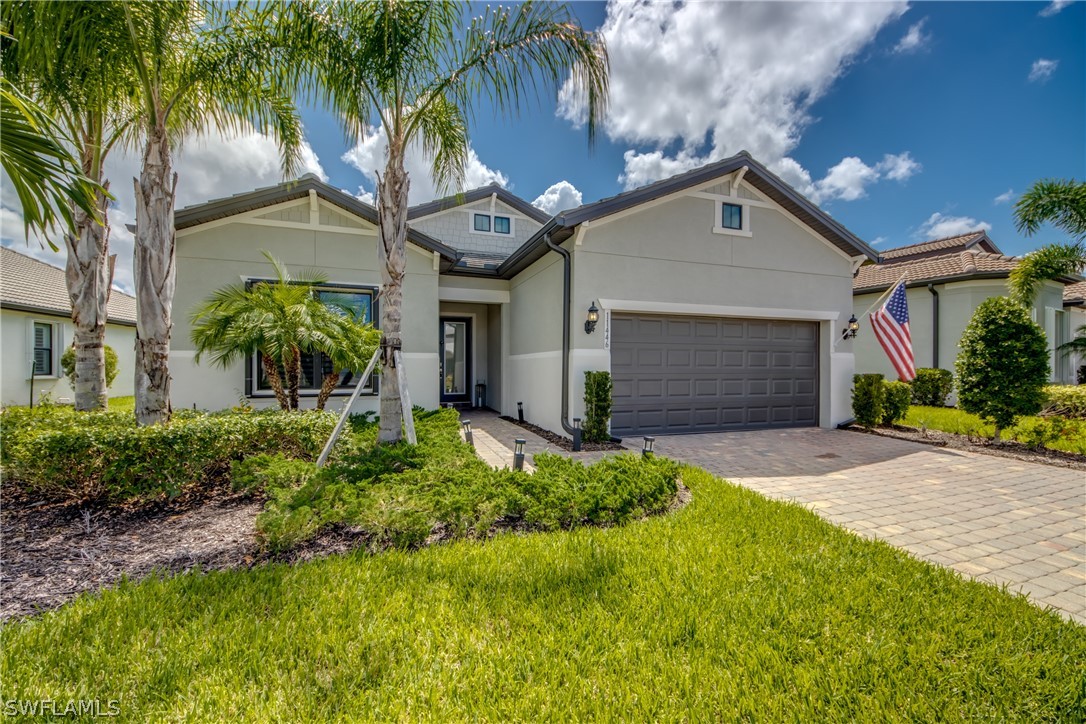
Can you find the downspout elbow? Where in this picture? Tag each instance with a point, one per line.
(566, 261)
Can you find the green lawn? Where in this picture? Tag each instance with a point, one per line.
(951, 419)
(734, 607)
(122, 404)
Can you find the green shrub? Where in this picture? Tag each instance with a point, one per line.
(868, 398)
(270, 471)
(1065, 400)
(1003, 364)
(1041, 432)
(597, 406)
(895, 405)
(67, 363)
(932, 386)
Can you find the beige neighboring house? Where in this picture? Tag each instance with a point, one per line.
(721, 295)
(36, 326)
(946, 280)
(1074, 303)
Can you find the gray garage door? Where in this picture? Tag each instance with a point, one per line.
(702, 374)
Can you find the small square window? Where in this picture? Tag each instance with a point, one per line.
(482, 222)
(501, 224)
(732, 217)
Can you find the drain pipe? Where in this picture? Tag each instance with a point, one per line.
(565, 330)
(934, 326)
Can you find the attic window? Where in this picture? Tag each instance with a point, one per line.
(482, 222)
(731, 216)
(501, 224)
(491, 224)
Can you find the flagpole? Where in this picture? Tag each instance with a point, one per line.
(885, 294)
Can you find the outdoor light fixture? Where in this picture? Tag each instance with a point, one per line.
(520, 411)
(647, 449)
(518, 454)
(576, 434)
(593, 317)
(853, 327)
(466, 424)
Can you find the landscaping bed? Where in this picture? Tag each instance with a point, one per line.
(562, 442)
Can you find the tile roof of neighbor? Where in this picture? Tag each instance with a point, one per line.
(31, 285)
(956, 265)
(1075, 294)
(960, 242)
(471, 196)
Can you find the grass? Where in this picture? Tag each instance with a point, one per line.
(959, 422)
(735, 607)
(122, 404)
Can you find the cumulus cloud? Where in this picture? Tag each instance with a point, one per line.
(1004, 198)
(850, 178)
(369, 158)
(914, 39)
(1042, 69)
(701, 81)
(559, 197)
(940, 225)
(1054, 7)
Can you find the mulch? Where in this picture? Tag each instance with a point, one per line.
(1005, 449)
(564, 442)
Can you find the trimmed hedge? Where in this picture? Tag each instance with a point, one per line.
(61, 454)
(868, 397)
(1065, 400)
(932, 386)
(597, 406)
(895, 405)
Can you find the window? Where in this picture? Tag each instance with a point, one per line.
(358, 301)
(492, 224)
(482, 222)
(732, 216)
(501, 224)
(43, 349)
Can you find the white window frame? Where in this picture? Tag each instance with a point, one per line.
(58, 347)
(718, 220)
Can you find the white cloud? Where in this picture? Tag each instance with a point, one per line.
(369, 158)
(1054, 7)
(850, 178)
(559, 197)
(898, 167)
(939, 225)
(914, 39)
(1004, 198)
(1042, 69)
(847, 180)
(879, 241)
(709, 79)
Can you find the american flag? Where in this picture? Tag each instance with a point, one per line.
(891, 325)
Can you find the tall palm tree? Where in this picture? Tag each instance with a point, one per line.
(1061, 203)
(279, 321)
(199, 66)
(69, 58)
(414, 69)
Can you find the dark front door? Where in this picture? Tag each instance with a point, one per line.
(455, 359)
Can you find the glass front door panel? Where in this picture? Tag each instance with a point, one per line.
(454, 372)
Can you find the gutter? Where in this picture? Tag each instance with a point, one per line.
(566, 261)
(934, 326)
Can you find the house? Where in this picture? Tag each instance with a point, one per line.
(1074, 303)
(945, 281)
(715, 298)
(36, 327)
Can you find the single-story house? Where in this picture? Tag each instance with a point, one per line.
(36, 328)
(721, 296)
(1074, 303)
(946, 280)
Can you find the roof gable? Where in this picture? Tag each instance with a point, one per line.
(31, 285)
(977, 240)
(478, 194)
(946, 267)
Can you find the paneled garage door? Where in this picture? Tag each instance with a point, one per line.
(701, 374)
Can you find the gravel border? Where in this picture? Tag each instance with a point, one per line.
(563, 442)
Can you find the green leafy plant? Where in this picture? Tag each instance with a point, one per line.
(932, 386)
(597, 406)
(868, 398)
(67, 363)
(895, 405)
(1065, 400)
(1040, 432)
(1003, 364)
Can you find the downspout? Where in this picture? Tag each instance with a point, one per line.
(565, 329)
(934, 326)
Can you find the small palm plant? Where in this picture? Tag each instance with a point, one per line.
(280, 320)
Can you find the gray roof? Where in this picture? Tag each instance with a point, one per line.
(562, 226)
(29, 285)
(299, 189)
(469, 197)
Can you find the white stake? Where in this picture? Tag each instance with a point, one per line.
(347, 409)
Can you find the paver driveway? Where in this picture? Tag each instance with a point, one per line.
(993, 518)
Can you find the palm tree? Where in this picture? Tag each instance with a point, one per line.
(198, 67)
(79, 80)
(1051, 261)
(279, 321)
(1063, 204)
(406, 66)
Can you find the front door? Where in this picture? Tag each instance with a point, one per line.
(455, 359)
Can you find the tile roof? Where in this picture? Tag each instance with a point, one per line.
(26, 283)
(961, 242)
(1075, 294)
(956, 265)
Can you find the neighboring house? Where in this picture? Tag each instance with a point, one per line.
(1074, 303)
(36, 327)
(722, 294)
(946, 280)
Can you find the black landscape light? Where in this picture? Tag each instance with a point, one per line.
(466, 425)
(576, 434)
(646, 451)
(518, 454)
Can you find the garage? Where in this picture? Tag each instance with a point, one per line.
(687, 374)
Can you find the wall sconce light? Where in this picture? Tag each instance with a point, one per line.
(593, 317)
(520, 411)
(576, 434)
(853, 327)
(518, 454)
(647, 449)
(466, 424)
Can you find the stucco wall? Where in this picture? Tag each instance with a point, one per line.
(213, 256)
(16, 351)
(534, 365)
(455, 227)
